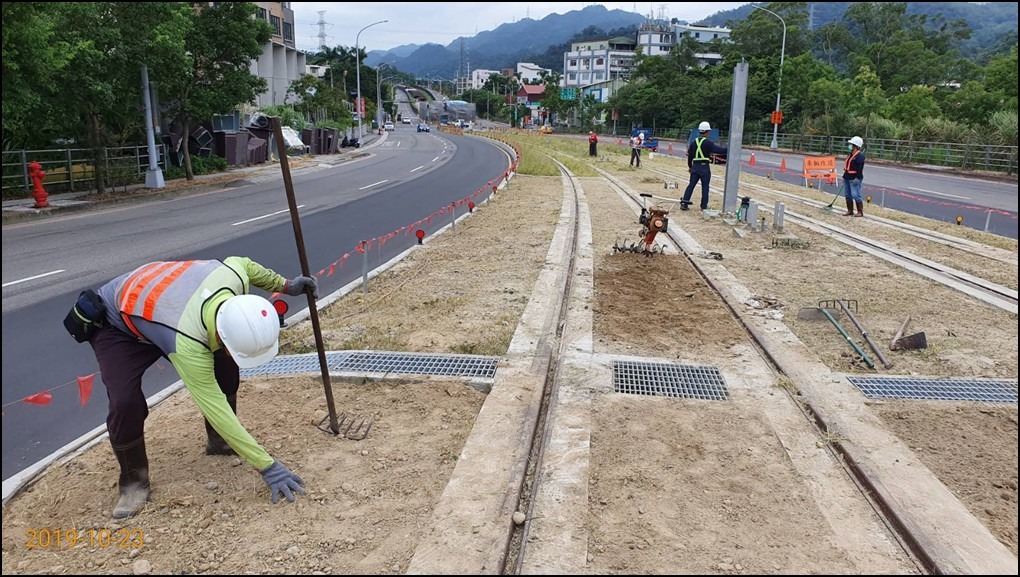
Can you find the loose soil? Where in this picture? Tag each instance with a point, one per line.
(676, 485)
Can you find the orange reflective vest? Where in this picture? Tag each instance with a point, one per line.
(159, 292)
(847, 171)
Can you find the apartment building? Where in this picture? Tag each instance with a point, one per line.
(600, 67)
(598, 61)
(281, 62)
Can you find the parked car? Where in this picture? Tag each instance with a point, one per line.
(388, 126)
(423, 127)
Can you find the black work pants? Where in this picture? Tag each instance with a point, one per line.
(123, 359)
(635, 157)
(703, 173)
(592, 148)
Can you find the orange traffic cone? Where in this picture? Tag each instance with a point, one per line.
(782, 166)
(752, 159)
(670, 150)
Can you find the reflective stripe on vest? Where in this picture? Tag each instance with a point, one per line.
(159, 292)
(846, 165)
(698, 155)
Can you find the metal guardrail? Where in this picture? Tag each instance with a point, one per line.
(954, 155)
(992, 158)
(73, 169)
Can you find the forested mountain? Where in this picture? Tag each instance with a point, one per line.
(992, 25)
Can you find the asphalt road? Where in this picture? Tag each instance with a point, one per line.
(940, 195)
(404, 179)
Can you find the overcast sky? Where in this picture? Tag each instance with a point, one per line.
(442, 22)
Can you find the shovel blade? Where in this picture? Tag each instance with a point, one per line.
(912, 342)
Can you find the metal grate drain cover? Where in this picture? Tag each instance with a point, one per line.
(433, 364)
(669, 380)
(985, 390)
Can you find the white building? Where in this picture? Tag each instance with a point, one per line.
(702, 34)
(480, 77)
(528, 72)
(598, 61)
(656, 39)
(316, 70)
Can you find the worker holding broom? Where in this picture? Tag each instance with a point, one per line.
(199, 316)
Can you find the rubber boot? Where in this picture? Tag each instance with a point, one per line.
(849, 207)
(134, 479)
(215, 445)
(860, 208)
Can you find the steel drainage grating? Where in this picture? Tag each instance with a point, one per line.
(293, 364)
(420, 364)
(669, 380)
(985, 390)
(382, 362)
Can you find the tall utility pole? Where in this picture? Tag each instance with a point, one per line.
(154, 175)
(779, 88)
(359, 106)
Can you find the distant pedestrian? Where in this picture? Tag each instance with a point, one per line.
(853, 177)
(636, 142)
(593, 144)
(699, 159)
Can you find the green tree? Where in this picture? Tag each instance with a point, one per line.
(105, 45)
(31, 67)
(914, 106)
(867, 98)
(1001, 76)
(319, 101)
(224, 38)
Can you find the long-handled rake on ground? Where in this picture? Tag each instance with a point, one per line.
(334, 424)
(839, 193)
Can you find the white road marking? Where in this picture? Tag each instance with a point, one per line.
(938, 193)
(264, 216)
(14, 282)
(373, 184)
(417, 169)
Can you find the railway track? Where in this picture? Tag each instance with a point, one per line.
(982, 289)
(919, 541)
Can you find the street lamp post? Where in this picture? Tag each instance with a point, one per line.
(779, 88)
(357, 66)
(378, 94)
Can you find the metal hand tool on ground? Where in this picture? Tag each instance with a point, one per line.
(846, 336)
(843, 305)
(288, 184)
(909, 342)
(839, 193)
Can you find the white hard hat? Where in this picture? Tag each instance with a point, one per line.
(857, 141)
(704, 127)
(249, 328)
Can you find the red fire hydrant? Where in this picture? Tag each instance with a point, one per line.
(35, 171)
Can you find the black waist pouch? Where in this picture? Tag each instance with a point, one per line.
(87, 316)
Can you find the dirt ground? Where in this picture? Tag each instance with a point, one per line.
(676, 485)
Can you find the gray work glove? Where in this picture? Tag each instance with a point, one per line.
(281, 480)
(297, 286)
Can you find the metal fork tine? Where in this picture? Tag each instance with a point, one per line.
(354, 436)
(351, 431)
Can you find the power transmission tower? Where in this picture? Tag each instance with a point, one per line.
(321, 24)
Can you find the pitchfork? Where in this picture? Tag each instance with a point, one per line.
(333, 424)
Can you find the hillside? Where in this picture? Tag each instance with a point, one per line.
(993, 30)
